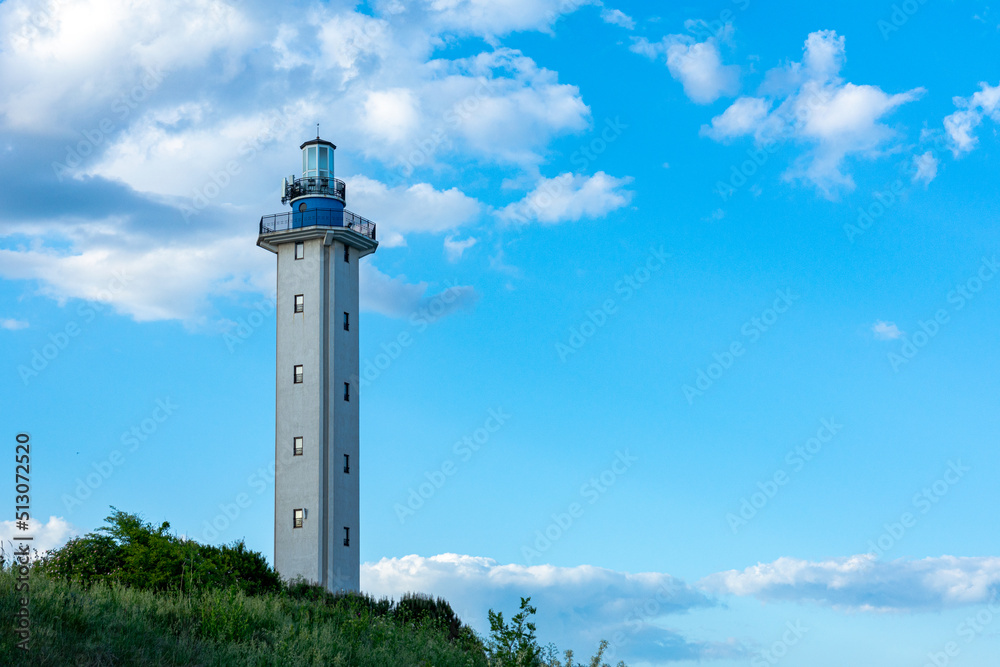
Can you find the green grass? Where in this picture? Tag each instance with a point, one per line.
(132, 593)
(112, 625)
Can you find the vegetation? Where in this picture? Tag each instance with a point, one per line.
(515, 645)
(133, 594)
(136, 555)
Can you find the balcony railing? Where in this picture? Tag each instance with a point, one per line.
(282, 222)
(303, 187)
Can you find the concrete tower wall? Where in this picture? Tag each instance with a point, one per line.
(316, 409)
(298, 409)
(344, 561)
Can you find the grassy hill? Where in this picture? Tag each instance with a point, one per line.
(110, 624)
(133, 594)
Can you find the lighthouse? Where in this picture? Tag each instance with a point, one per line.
(319, 245)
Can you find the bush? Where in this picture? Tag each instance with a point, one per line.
(84, 560)
(514, 645)
(596, 661)
(417, 606)
(133, 553)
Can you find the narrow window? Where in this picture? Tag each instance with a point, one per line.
(324, 164)
(347, 321)
(298, 375)
(297, 517)
(300, 303)
(347, 463)
(347, 391)
(347, 253)
(347, 536)
(297, 446)
(300, 250)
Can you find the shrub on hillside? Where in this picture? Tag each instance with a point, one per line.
(134, 553)
(514, 644)
(419, 606)
(411, 608)
(301, 589)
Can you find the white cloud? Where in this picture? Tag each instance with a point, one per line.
(813, 104)
(391, 116)
(141, 279)
(699, 68)
(348, 39)
(501, 105)
(13, 325)
(886, 330)
(617, 17)
(925, 168)
(283, 45)
(961, 125)
(88, 54)
(203, 157)
(577, 606)
(742, 117)
(495, 18)
(51, 534)
(987, 98)
(697, 65)
(824, 54)
(644, 47)
(569, 197)
(865, 583)
(455, 249)
(411, 209)
(497, 105)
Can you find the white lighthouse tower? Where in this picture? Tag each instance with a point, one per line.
(319, 245)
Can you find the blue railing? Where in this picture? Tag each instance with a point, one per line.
(281, 222)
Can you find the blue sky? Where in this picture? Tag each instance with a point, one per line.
(683, 320)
